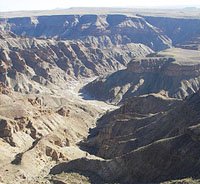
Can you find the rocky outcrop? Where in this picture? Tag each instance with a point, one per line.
(4, 89)
(108, 29)
(164, 65)
(63, 111)
(150, 138)
(112, 29)
(6, 131)
(142, 143)
(34, 136)
(55, 155)
(177, 76)
(28, 64)
(136, 116)
(182, 31)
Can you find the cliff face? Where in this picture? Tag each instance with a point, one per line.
(150, 139)
(27, 63)
(183, 32)
(176, 76)
(164, 66)
(158, 33)
(114, 29)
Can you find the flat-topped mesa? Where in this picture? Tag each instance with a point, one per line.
(108, 29)
(153, 65)
(176, 72)
(165, 65)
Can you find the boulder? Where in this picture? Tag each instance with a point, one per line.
(63, 112)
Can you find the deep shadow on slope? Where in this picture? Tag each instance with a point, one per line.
(172, 152)
(148, 75)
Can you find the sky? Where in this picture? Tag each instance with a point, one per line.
(13, 5)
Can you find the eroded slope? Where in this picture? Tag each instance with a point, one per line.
(36, 65)
(148, 141)
(107, 29)
(174, 72)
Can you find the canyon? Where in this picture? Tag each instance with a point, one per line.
(173, 72)
(99, 96)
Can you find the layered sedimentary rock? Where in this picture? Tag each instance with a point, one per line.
(107, 29)
(36, 131)
(150, 139)
(156, 32)
(27, 64)
(183, 32)
(176, 76)
(44, 122)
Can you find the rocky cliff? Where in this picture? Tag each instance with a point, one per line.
(150, 139)
(39, 130)
(174, 72)
(107, 29)
(182, 31)
(47, 129)
(157, 32)
(29, 64)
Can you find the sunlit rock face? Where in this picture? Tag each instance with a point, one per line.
(28, 63)
(177, 76)
(53, 130)
(107, 29)
(183, 32)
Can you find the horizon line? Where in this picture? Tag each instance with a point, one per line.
(181, 7)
